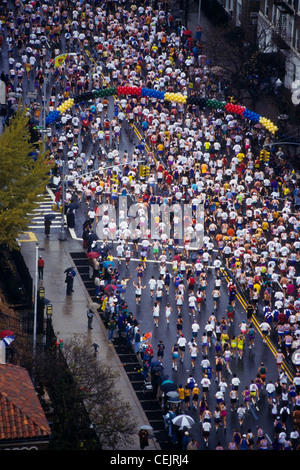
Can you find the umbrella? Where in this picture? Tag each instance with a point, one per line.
(94, 305)
(173, 394)
(174, 400)
(6, 333)
(49, 216)
(155, 363)
(93, 254)
(120, 288)
(167, 381)
(159, 368)
(146, 426)
(8, 339)
(110, 287)
(107, 263)
(183, 421)
(72, 205)
(69, 269)
(187, 32)
(168, 386)
(163, 378)
(92, 236)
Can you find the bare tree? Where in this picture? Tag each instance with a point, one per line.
(97, 383)
(245, 67)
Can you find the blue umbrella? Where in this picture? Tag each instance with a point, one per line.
(121, 290)
(158, 368)
(155, 363)
(108, 263)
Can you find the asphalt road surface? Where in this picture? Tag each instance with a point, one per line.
(246, 369)
(259, 415)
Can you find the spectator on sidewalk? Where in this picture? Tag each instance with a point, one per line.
(41, 265)
(90, 316)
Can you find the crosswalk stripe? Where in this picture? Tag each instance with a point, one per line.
(38, 215)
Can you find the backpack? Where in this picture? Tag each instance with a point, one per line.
(191, 383)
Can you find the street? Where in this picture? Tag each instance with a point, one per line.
(245, 369)
(108, 157)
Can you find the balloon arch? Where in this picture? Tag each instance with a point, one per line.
(161, 95)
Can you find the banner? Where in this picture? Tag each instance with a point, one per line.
(60, 60)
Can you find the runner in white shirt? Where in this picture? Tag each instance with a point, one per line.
(152, 286)
(181, 344)
(192, 304)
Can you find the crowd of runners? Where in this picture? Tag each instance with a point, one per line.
(244, 202)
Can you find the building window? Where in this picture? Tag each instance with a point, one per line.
(294, 72)
(267, 7)
(296, 39)
(238, 13)
(273, 14)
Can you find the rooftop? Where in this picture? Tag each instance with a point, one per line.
(21, 414)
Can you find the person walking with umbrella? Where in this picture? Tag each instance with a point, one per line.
(143, 436)
(70, 274)
(70, 218)
(47, 225)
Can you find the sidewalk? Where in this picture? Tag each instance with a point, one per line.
(69, 313)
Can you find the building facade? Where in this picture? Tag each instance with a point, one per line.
(278, 30)
(275, 25)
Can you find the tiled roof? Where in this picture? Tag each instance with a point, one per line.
(21, 414)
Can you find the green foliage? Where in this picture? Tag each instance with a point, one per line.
(24, 174)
